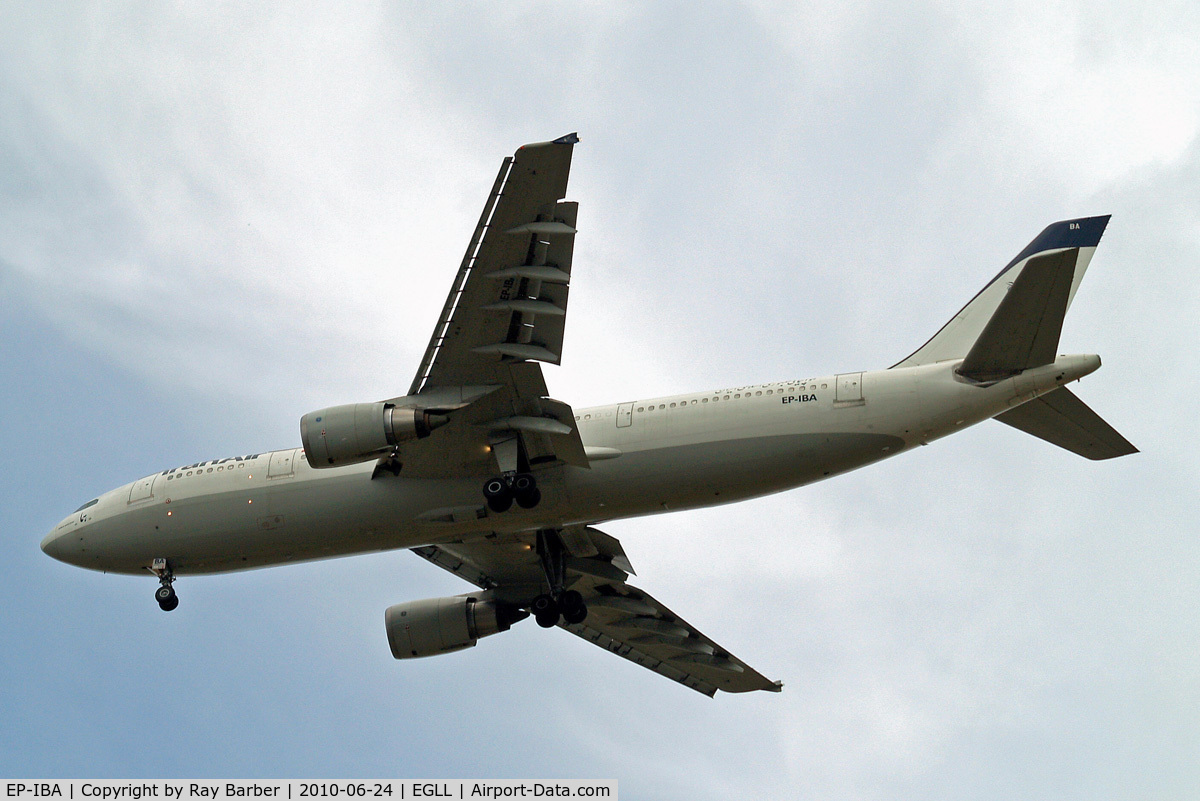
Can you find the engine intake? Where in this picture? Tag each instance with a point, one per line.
(360, 432)
(441, 625)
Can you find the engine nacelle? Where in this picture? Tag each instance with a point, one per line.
(441, 625)
(360, 432)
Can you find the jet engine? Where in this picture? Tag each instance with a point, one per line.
(441, 625)
(360, 432)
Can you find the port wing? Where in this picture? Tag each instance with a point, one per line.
(505, 314)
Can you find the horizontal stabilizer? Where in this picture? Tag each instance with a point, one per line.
(1064, 420)
(1023, 332)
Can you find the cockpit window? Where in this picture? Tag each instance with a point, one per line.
(92, 502)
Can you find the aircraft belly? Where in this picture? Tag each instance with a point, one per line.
(329, 516)
(707, 473)
(313, 516)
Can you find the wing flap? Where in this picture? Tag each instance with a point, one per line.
(663, 642)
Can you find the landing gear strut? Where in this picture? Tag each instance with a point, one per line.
(165, 594)
(559, 602)
(501, 491)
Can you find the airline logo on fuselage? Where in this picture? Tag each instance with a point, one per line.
(211, 462)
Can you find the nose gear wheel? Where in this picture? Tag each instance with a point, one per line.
(166, 597)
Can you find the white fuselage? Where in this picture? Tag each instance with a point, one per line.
(649, 456)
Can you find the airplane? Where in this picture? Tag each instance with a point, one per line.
(479, 471)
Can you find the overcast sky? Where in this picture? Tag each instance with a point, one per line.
(214, 221)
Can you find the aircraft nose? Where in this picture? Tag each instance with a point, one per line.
(62, 543)
(52, 545)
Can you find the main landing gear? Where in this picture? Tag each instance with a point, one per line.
(570, 606)
(559, 602)
(165, 594)
(501, 491)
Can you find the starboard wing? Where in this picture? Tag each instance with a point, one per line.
(621, 618)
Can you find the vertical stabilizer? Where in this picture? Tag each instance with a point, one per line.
(1024, 330)
(957, 337)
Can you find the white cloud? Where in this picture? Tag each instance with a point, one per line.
(1083, 95)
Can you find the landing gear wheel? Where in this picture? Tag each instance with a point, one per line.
(525, 490)
(166, 597)
(523, 483)
(543, 604)
(530, 499)
(545, 611)
(499, 496)
(574, 610)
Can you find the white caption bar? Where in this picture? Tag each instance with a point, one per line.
(382, 790)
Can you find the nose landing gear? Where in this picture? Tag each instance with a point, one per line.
(165, 594)
(166, 597)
